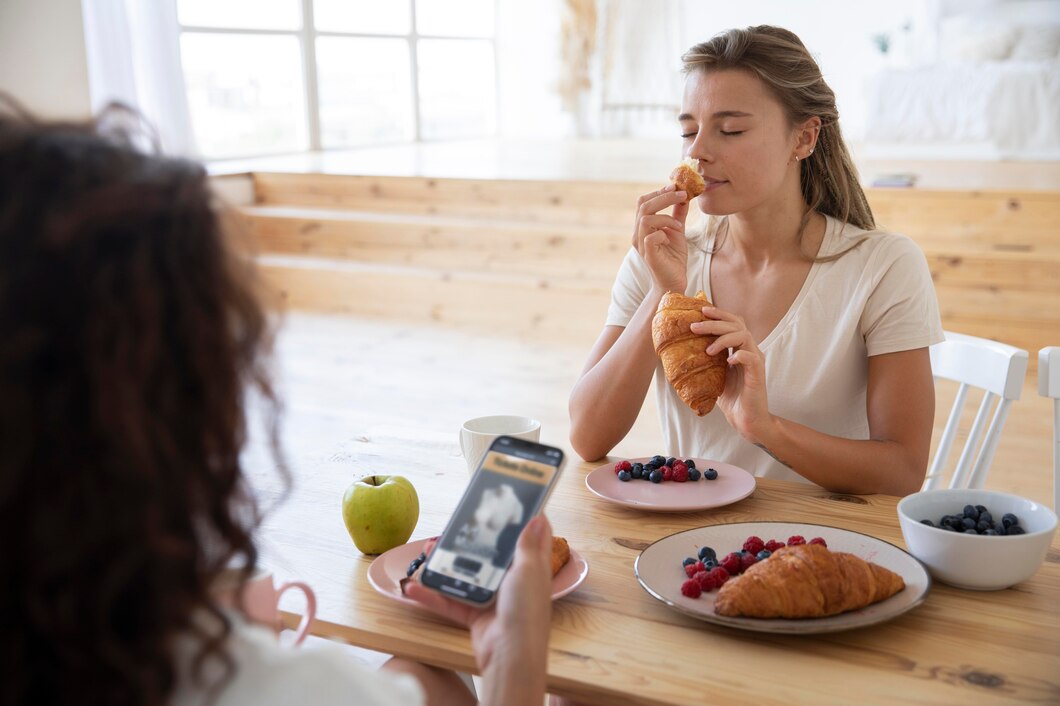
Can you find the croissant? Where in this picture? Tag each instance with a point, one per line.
(698, 378)
(687, 179)
(806, 581)
(560, 554)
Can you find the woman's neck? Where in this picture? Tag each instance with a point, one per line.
(767, 235)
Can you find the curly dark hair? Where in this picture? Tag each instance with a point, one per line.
(131, 334)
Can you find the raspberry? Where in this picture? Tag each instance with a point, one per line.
(623, 466)
(705, 581)
(692, 569)
(691, 588)
(796, 539)
(773, 545)
(819, 540)
(754, 544)
(719, 575)
(679, 464)
(680, 473)
(668, 473)
(747, 561)
(731, 563)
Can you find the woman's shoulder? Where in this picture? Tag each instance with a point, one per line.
(877, 245)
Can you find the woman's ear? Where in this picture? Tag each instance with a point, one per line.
(806, 137)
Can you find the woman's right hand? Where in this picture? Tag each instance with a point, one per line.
(660, 238)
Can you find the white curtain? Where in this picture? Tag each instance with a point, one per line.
(133, 52)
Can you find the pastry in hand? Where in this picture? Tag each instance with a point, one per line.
(698, 378)
(806, 581)
(687, 179)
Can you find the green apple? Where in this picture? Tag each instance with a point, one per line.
(380, 512)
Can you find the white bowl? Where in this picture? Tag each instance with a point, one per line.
(977, 562)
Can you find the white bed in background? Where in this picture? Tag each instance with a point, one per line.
(993, 90)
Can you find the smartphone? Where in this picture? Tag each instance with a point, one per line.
(509, 487)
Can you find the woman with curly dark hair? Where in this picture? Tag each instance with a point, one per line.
(130, 337)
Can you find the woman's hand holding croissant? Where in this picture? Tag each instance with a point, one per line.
(660, 238)
(744, 400)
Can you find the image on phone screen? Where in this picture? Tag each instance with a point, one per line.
(508, 489)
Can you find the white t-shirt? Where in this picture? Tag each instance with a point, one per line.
(878, 298)
(267, 673)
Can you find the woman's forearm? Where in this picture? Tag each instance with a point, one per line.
(605, 402)
(514, 682)
(843, 465)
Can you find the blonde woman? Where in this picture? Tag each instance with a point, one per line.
(827, 320)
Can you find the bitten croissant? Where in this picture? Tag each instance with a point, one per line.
(698, 378)
(806, 581)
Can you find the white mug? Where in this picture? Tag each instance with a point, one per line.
(261, 600)
(477, 434)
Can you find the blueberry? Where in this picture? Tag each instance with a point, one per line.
(638, 467)
(968, 523)
(1014, 529)
(710, 474)
(970, 511)
(991, 533)
(1000, 529)
(670, 461)
(1008, 519)
(929, 523)
(980, 508)
(688, 560)
(986, 517)
(656, 476)
(658, 460)
(764, 554)
(981, 526)
(693, 474)
(970, 531)
(948, 528)
(709, 564)
(690, 463)
(957, 523)
(705, 552)
(625, 476)
(636, 473)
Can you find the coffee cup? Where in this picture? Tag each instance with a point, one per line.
(261, 599)
(477, 434)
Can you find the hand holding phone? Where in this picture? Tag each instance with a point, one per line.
(510, 487)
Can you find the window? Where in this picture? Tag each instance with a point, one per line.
(273, 76)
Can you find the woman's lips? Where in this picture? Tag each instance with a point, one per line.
(713, 183)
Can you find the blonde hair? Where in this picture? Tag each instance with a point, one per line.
(781, 61)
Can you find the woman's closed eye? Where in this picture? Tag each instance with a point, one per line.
(731, 133)
(688, 135)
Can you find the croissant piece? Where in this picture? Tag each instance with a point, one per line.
(687, 179)
(560, 554)
(806, 581)
(698, 378)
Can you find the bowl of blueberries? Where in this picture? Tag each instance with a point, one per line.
(977, 539)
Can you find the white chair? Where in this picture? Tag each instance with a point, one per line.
(1049, 386)
(997, 369)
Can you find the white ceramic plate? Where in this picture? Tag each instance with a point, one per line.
(659, 570)
(387, 570)
(732, 485)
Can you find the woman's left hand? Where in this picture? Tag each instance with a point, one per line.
(744, 400)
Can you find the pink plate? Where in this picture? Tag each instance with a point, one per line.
(386, 572)
(731, 485)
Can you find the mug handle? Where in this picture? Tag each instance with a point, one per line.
(310, 608)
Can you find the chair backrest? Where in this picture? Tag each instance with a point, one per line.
(997, 369)
(1049, 386)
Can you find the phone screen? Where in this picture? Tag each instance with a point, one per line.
(508, 489)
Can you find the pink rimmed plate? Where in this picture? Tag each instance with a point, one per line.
(732, 485)
(659, 570)
(387, 570)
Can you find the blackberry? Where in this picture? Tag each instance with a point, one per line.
(710, 474)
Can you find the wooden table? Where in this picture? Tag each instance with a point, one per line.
(612, 643)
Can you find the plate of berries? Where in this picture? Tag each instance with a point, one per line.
(687, 570)
(669, 484)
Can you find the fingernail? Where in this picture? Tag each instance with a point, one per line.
(731, 359)
(682, 194)
(669, 187)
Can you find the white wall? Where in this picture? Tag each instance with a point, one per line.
(42, 56)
